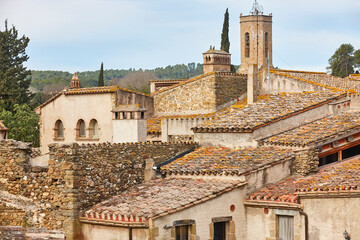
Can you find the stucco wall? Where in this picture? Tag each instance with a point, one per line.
(178, 127)
(231, 140)
(280, 84)
(69, 109)
(133, 130)
(125, 97)
(263, 225)
(204, 212)
(330, 217)
(273, 174)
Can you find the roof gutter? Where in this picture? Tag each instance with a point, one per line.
(159, 165)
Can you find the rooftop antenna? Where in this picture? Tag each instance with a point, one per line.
(257, 9)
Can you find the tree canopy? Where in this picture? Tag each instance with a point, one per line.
(344, 60)
(225, 43)
(14, 77)
(22, 122)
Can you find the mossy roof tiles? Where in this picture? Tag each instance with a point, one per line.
(225, 161)
(334, 178)
(264, 111)
(162, 196)
(317, 131)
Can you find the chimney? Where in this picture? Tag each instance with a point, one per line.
(75, 81)
(252, 82)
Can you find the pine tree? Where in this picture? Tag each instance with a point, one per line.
(342, 61)
(225, 43)
(14, 77)
(101, 76)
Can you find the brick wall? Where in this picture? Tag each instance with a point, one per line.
(76, 178)
(203, 94)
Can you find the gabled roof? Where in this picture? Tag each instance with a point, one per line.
(321, 79)
(216, 52)
(197, 78)
(90, 90)
(341, 177)
(317, 131)
(225, 161)
(158, 198)
(265, 111)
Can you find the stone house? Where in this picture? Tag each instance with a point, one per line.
(90, 115)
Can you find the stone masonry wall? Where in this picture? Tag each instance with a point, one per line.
(203, 94)
(228, 87)
(107, 169)
(306, 161)
(76, 178)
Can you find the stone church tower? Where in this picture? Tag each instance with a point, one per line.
(256, 39)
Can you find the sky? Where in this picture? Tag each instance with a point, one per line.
(77, 35)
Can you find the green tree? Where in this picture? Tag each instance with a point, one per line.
(357, 59)
(225, 43)
(23, 123)
(101, 76)
(341, 63)
(14, 77)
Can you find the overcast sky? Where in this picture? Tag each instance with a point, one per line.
(77, 35)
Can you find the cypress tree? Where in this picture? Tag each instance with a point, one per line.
(225, 43)
(101, 76)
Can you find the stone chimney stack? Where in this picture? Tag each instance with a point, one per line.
(252, 83)
(75, 81)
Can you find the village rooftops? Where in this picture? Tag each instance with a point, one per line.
(321, 79)
(225, 161)
(317, 131)
(89, 90)
(265, 111)
(197, 78)
(338, 178)
(157, 198)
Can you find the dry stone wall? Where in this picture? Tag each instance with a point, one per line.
(306, 162)
(204, 94)
(76, 178)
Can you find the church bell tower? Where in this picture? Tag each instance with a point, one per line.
(256, 39)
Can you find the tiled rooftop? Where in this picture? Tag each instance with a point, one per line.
(317, 131)
(158, 198)
(214, 160)
(342, 176)
(90, 90)
(322, 79)
(264, 111)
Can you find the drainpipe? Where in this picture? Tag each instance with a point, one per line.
(130, 233)
(306, 220)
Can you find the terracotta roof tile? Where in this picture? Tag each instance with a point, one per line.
(158, 198)
(322, 79)
(264, 111)
(344, 175)
(317, 131)
(213, 160)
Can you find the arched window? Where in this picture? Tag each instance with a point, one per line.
(59, 129)
(247, 44)
(80, 129)
(266, 45)
(94, 129)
